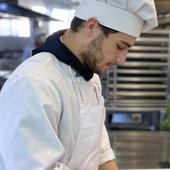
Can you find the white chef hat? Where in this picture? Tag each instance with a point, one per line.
(127, 16)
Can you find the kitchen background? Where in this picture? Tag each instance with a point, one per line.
(136, 93)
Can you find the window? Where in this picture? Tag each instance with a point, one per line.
(65, 16)
(40, 9)
(13, 26)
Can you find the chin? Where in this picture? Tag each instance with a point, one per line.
(100, 72)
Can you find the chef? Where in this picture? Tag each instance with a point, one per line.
(51, 108)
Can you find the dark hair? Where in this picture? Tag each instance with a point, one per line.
(77, 24)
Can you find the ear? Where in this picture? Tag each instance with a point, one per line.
(91, 26)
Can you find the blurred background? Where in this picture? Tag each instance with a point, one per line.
(137, 93)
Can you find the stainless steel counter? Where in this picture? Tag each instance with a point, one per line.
(140, 149)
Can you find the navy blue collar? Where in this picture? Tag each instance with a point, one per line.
(54, 45)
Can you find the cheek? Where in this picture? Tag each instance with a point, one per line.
(110, 52)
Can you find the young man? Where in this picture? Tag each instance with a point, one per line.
(51, 107)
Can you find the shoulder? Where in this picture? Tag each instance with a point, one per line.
(42, 66)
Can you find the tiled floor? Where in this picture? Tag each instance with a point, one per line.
(140, 149)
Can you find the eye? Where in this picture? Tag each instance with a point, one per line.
(120, 47)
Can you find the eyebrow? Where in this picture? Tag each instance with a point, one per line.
(127, 44)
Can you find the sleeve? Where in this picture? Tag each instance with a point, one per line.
(30, 110)
(106, 153)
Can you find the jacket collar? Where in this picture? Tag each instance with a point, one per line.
(54, 45)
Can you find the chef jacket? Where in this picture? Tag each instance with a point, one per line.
(52, 114)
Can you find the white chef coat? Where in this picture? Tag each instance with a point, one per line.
(52, 119)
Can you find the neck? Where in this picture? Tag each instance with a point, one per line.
(73, 42)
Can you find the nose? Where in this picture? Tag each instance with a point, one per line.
(121, 58)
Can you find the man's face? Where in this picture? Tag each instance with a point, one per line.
(103, 52)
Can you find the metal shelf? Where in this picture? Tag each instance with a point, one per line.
(137, 93)
(146, 48)
(152, 40)
(139, 86)
(141, 79)
(145, 64)
(148, 55)
(141, 71)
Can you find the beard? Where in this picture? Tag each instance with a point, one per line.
(94, 54)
